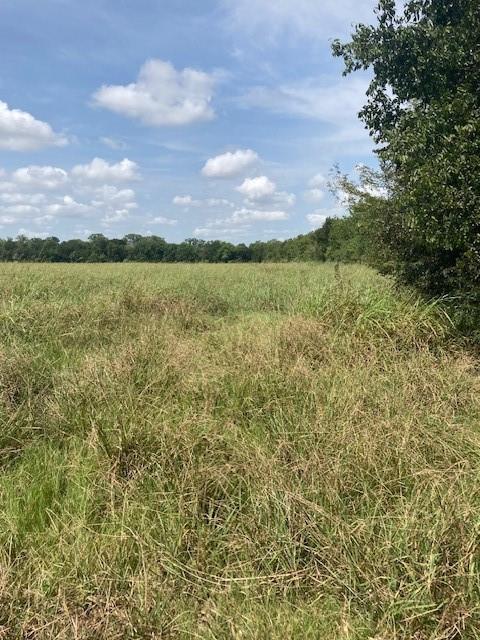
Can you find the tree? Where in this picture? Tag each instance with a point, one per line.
(98, 243)
(423, 108)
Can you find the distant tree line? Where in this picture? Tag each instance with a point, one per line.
(319, 245)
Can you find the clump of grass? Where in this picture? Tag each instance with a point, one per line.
(239, 451)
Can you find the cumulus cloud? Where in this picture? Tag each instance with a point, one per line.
(257, 188)
(111, 195)
(40, 195)
(67, 207)
(115, 204)
(20, 131)
(24, 198)
(229, 165)
(98, 170)
(162, 96)
(43, 177)
(238, 223)
(115, 216)
(261, 192)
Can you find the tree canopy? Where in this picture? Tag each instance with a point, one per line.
(134, 247)
(423, 109)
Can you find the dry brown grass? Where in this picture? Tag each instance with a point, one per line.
(234, 452)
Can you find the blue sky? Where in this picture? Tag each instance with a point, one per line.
(182, 118)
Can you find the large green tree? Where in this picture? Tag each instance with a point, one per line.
(423, 109)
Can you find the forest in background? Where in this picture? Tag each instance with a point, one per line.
(319, 245)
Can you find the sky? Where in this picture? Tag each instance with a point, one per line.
(179, 118)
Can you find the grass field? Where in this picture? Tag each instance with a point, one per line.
(206, 451)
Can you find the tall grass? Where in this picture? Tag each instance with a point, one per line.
(256, 451)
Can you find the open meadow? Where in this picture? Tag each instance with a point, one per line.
(234, 451)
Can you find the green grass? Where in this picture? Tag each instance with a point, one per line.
(246, 452)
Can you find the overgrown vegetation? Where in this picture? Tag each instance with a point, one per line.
(424, 111)
(262, 451)
(234, 451)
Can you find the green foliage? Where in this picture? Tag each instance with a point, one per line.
(223, 452)
(424, 109)
(360, 236)
(136, 248)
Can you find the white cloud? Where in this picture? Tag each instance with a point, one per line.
(318, 181)
(226, 233)
(20, 131)
(41, 220)
(186, 201)
(115, 204)
(162, 220)
(8, 186)
(314, 195)
(257, 188)
(43, 177)
(39, 195)
(318, 217)
(261, 192)
(67, 207)
(283, 198)
(109, 194)
(244, 215)
(115, 216)
(229, 165)
(20, 210)
(239, 222)
(33, 234)
(98, 170)
(162, 96)
(22, 198)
